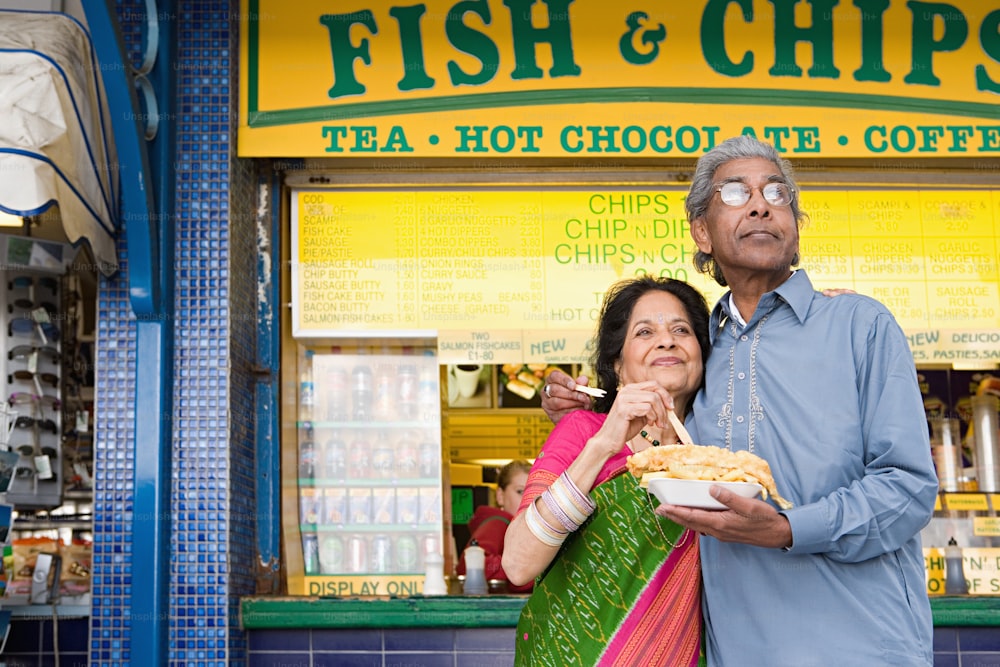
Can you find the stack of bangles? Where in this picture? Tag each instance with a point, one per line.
(570, 506)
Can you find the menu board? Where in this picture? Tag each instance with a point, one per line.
(520, 274)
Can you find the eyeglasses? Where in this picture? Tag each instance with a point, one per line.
(44, 424)
(25, 351)
(21, 397)
(51, 378)
(737, 193)
(25, 326)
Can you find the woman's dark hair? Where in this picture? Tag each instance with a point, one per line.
(612, 326)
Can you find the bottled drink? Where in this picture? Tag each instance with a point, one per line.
(307, 459)
(407, 389)
(361, 393)
(428, 398)
(384, 393)
(307, 390)
(338, 394)
(335, 459)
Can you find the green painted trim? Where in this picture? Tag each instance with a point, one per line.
(253, 57)
(726, 96)
(271, 613)
(972, 611)
(415, 612)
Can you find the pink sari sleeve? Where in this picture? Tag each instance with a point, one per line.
(563, 445)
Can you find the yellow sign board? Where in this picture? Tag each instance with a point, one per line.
(981, 566)
(519, 275)
(635, 78)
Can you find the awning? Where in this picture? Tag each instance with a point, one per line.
(56, 145)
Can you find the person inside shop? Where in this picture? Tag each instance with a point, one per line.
(488, 524)
(825, 390)
(616, 583)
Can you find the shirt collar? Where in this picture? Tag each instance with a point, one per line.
(797, 292)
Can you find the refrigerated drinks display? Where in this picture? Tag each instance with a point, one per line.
(369, 471)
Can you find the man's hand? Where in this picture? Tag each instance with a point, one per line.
(748, 520)
(559, 396)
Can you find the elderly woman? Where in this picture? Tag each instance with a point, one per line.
(616, 584)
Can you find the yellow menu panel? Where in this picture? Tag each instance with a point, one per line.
(476, 266)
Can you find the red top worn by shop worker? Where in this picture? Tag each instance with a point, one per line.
(488, 527)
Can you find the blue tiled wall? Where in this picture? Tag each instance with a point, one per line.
(494, 647)
(212, 553)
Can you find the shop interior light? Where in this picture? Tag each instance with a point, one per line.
(9, 220)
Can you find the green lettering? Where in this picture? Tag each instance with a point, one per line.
(872, 36)
(956, 29)
(525, 36)
(808, 139)
(713, 38)
(930, 135)
(775, 134)
(870, 133)
(820, 35)
(959, 135)
(989, 38)
(334, 133)
(991, 137)
(344, 53)
(473, 42)
(396, 143)
(412, 46)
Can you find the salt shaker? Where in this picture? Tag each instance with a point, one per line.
(434, 575)
(475, 566)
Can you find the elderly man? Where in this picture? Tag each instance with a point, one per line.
(826, 391)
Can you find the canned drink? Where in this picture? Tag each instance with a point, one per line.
(382, 459)
(331, 555)
(407, 560)
(335, 459)
(310, 553)
(384, 506)
(357, 555)
(381, 552)
(428, 457)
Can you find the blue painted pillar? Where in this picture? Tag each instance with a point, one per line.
(150, 232)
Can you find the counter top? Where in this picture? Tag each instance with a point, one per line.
(492, 611)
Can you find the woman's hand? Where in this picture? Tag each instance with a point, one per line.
(559, 396)
(635, 406)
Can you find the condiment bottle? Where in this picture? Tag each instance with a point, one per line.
(954, 573)
(434, 575)
(475, 570)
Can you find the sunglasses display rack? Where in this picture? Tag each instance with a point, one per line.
(31, 369)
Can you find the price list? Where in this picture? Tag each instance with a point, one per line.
(487, 435)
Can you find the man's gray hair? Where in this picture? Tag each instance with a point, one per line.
(743, 147)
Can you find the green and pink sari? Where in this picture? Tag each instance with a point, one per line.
(624, 589)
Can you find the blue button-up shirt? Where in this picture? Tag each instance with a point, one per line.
(825, 390)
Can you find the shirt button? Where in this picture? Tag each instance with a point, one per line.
(742, 376)
(743, 337)
(740, 419)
